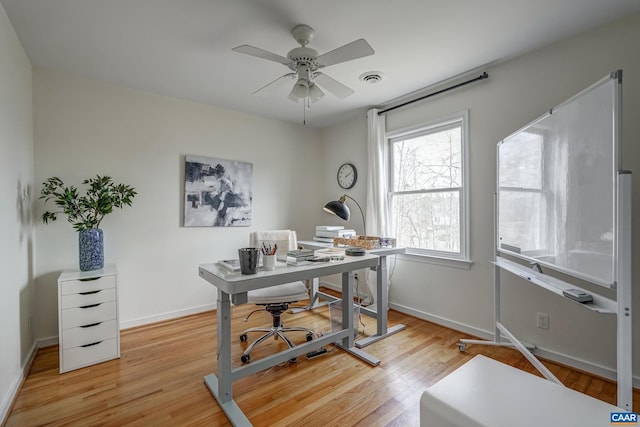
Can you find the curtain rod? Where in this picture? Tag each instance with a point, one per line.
(480, 77)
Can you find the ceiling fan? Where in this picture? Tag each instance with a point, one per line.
(306, 63)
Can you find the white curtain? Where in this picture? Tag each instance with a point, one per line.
(377, 181)
(377, 185)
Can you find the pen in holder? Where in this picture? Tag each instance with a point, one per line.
(269, 256)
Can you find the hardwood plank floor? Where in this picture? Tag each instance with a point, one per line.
(158, 381)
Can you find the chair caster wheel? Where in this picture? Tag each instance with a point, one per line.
(293, 360)
(245, 358)
(309, 337)
(243, 338)
(462, 347)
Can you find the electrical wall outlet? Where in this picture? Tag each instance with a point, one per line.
(543, 321)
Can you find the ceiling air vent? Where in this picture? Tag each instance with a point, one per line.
(371, 77)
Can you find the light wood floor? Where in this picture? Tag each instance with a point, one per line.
(158, 381)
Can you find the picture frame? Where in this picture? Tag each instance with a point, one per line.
(217, 192)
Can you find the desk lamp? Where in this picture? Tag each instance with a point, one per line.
(340, 209)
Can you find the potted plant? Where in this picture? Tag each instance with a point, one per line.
(86, 212)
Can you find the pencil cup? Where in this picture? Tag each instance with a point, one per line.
(248, 260)
(269, 262)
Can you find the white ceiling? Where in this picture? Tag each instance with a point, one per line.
(182, 48)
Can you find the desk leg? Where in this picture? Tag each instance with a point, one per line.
(221, 388)
(382, 306)
(348, 323)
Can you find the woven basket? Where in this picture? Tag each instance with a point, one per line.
(367, 242)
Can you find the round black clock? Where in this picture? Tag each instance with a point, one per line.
(347, 175)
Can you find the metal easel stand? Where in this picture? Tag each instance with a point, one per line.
(513, 342)
(621, 306)
(526, 350)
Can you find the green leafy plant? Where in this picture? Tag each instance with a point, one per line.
(86, 211)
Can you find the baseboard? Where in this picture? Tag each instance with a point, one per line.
(47, 342)
(166, 316)
(16, 384)
(564, 359)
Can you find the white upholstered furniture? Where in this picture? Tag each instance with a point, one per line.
(484, 392)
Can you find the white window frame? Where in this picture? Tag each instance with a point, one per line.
(461, 259)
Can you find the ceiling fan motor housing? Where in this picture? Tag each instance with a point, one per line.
(301, 56)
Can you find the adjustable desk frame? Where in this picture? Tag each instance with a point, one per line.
(382, 299)
(233, 287)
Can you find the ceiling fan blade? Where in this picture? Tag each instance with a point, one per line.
(279, 82)
(354, 50)
(335, 87)
(261, 53)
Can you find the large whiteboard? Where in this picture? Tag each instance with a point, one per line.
(556, 189)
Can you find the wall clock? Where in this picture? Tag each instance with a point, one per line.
(347, 175)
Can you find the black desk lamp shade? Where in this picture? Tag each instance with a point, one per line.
(338, 208)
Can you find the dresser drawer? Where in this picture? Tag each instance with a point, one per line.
(77, 357)
(86, 315)
(87, 298)
(87, 285)
(79, 336)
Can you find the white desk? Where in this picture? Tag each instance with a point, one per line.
(382, 300)
(233, 287)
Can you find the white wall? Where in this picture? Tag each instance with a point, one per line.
(16, 188)
(83, 128)
(518, 91)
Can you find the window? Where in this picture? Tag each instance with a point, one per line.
(428, 188)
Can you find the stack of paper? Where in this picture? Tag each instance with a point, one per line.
(299, 256)
(326, 233)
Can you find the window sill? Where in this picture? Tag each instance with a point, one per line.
(443, 261)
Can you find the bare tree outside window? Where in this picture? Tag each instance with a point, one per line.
(427, 183)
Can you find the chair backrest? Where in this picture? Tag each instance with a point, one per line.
(285, 239)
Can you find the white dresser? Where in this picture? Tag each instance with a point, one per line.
(89, 330)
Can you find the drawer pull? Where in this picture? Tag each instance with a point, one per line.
(90, 305)
(90, 279)
(91, 325)
(90, 292)
(92, 344)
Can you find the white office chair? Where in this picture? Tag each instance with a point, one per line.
(275, 299)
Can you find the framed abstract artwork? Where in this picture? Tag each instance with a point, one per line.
(217, 192)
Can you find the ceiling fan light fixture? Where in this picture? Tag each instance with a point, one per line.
(301, 88)
(315, 93)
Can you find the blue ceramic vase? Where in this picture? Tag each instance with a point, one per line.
(91, 249)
